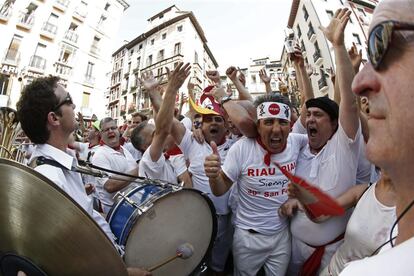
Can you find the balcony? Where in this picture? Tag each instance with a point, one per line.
(49, 30)
(71, 36)
(38, 63)
(61, 5)
(11, 57)
(123, 110)
(25, 20)
(135, 70)
(5, 12)
(133, 88)
(124, 91)
(163, 63)
(89, 80)
(317, 57)
(132, 108)
(311, 33)
(322, 83)
(63, 70)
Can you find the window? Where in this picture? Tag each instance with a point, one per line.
(140, 47)
(66, 54)
(317, 53)
(305, 13)
(159, 71)
(161, 16)
(138, 62)
(299, 31)
(129, 66)
(330, 14)
(302, 46)
(95, 45)
(180, 28)
(13, 50)
(4, 84)
(89, 70)
(195, 57)
(342, 3)
(85, 99)
(164, 36)
(253, 78)
(38, 60)
(160, 55)
(356, 39)
(310, 31)
(107, 6)
(102, 20)
(177, 49)
(132, 51)
(149, 60)
(152, 41)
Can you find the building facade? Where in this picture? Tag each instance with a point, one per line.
(306, 16)
(71, 39)
(172, 36)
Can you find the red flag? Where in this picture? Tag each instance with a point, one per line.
(315, 201)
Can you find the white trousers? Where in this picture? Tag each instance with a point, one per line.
(222, 243)
(251, 251)
(301, 252)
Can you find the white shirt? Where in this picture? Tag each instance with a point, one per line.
(69, 181)
(262, 189)
(395, 261)
(362, 239)
(197, 153)
(363, 175)
(187, 123)
(333, 170)
(136, 154)
(108, 158)
(161, 169)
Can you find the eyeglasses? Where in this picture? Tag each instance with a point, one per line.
(66, 100)
(209, 119)
(112, 128)
(380, 38)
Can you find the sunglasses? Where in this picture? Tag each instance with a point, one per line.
(66, 100)
(380, 38)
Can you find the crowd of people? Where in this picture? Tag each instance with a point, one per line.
(356, 148)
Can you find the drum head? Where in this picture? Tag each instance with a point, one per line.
(185, 216)
(43, 229)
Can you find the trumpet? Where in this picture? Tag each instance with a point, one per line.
(10, 128)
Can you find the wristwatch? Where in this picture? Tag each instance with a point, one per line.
(225, 99)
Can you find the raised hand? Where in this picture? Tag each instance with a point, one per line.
(148, 81)
(355, 57)
(212, 164)
(231, 73)
(297, 56)
(263, 76)
(214, 76)
(178, 76)
(335, 30)
(218, 92)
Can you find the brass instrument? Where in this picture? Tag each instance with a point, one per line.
(10, 128)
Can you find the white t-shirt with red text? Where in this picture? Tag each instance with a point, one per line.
(261, 188)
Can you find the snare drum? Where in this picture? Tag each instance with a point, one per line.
(152, 221)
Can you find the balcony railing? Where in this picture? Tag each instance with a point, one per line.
(164, 62)
(310, 32)
(62, 4)
(322, 83)
(63, 70)
(6, 11)
(89, 80)
(316, 56)
(26, 20)
(71, 36)
(11, 57)
(49, 29)
(80, 12)
(37, 62)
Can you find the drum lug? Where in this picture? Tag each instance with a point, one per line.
(127, 199)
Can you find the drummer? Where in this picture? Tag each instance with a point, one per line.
(46, 113)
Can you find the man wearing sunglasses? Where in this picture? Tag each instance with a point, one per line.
(387, 82)
(46, 113)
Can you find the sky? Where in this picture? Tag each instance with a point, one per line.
(236, 30)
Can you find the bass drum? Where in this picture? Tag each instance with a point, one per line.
(152, 221)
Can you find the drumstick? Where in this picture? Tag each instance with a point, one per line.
(184, 251)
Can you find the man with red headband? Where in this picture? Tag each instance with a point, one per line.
(261, 237)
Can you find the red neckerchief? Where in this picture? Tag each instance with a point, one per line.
(117, 148)
(268, 155)
(174, 151)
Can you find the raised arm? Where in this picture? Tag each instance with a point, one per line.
(152, 85)
(244, 94)
(266, 79)
(165, 117)
(348, 108)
